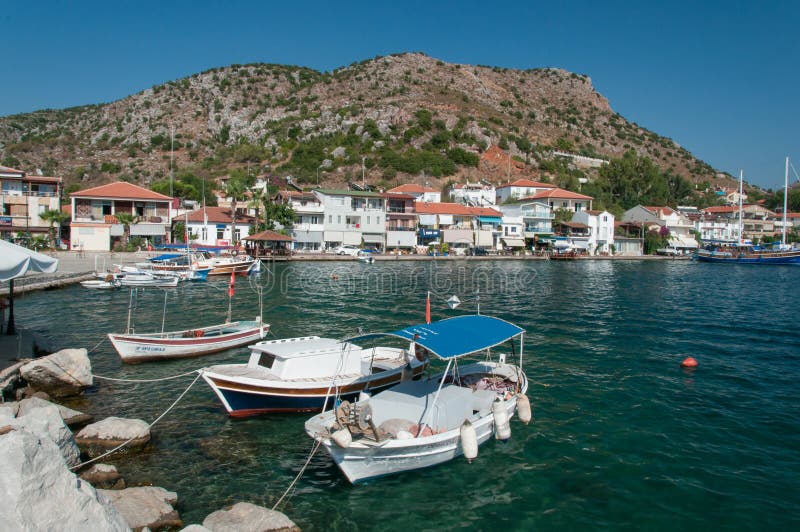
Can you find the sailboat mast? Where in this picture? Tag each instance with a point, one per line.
(741, 189)
(785, 203)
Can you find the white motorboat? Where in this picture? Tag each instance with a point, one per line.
(302, 374)
(133, 348)
(108, 283)
(423, 423)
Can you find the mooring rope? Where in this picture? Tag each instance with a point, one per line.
(126, 442)
(299, 474)
(96, 346)
(102, 377)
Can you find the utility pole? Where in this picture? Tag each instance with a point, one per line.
(363, 173)
(171, 154)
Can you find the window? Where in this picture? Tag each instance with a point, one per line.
(605, 218)
(238, 233)
(367, 220)
(338, 218)
(203, 233)
(339, 202)
(330, 218)
(220, 233)
(377, 219)
(315, 219)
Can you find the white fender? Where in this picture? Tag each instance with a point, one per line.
(524, 408)
(502, 428)
(469, 441)
(342, 438)
(407, 374)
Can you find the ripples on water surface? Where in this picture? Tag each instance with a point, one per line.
(622, 437)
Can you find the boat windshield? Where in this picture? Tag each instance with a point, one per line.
(266, 360)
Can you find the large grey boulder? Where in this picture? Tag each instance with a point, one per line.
(64, 373)
(40, 493)
(97, 438)
(71, 417)
(104, 476)
(45, 421)
(146, 506)
(246, 517)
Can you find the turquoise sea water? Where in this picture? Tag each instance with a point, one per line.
(622, 437)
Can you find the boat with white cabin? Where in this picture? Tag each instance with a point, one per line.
(424, 423)
(303, 374)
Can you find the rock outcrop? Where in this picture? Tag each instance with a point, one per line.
(61, 374)
(97, 438)
(246, 517)
(146, 506)
(104, 476)
(40, 493)
(45, 421)
(71, 417)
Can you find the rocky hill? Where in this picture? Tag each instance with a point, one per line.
(406, 117)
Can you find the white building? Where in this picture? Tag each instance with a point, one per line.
(309, 228)
(560, 199)
(679, 225)
(535, 218)
(352, 217)
(473, 194)
(94, 225)
(23, 198)
(601, 230)
(211, 226)
(521, 188)
(420, 193)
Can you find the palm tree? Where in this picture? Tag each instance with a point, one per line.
(126, 219)
(53, 217)
(236, 190)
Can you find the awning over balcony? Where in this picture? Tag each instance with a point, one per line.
(372, 238)
(452, 236)
(147, 230)
(514, 242)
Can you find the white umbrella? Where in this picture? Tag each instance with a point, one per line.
(16, 261)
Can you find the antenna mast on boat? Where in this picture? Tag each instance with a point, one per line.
(741, 189)
(785, 203)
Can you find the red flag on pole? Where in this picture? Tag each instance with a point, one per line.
(428, 309)
(230, 285)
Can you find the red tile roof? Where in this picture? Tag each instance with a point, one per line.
(594, 213)
(527, 183)
(269, 236)
(397, 196)
(791, 215)
(719, 209)
(661, 211)
(218, 215)
(454, 208)
(121, 190)
(558, 193)
(42, 179)
(10, 170)
(411, 188)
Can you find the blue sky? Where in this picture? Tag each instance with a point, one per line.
(720, 78)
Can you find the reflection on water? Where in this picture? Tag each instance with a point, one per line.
(621, 435)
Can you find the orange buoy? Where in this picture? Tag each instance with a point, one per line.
(689, 362)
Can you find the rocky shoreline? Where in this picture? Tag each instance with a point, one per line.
(48, 473)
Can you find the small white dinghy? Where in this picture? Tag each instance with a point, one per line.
(423, 423)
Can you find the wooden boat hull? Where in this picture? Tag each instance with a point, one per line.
(751, 258)
(243, 400)
(236, 267)
(134, 348)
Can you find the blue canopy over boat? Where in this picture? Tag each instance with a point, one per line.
(455, 337)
